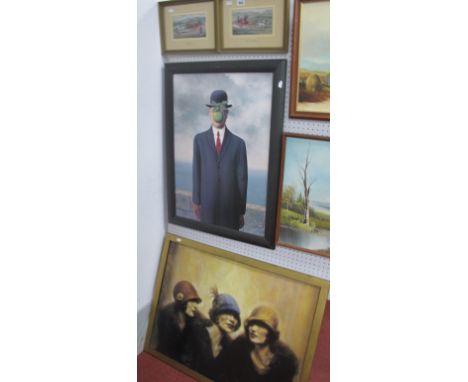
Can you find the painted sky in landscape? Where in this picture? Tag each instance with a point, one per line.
(315, 36)
(296, 150)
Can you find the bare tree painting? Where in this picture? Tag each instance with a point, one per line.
(306, 184)
(304, 216)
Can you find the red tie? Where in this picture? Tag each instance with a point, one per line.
(218, 144)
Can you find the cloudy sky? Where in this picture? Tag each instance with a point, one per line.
(296, 150)
(249, 117)
(315, 36)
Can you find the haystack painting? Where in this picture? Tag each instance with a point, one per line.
(311, 61)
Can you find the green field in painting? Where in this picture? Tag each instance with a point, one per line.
(318, 219)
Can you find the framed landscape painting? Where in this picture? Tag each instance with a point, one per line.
(310, 61)
(216, 314)
(304, 209)
(187, 26)
(223, 137)
(254, 25)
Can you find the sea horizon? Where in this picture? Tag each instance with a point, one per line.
(256, 185)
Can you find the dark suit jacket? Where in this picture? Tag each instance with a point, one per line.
(220, 182)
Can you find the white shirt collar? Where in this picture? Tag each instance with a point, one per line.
(221, 133)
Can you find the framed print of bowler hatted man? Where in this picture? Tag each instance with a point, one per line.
(219, 170)
(223, 139)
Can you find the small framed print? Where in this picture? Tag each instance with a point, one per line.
(254, 25)
(303, 220)
(215, 314)
(188, 26)
(310, 60)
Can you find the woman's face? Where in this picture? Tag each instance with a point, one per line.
(227, 322)
(191, 308)
(257, 334)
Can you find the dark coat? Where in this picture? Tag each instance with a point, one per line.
(204, 360)
(169, 338)
(219, 183)
(237, 365)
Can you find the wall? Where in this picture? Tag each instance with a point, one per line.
(151, 207)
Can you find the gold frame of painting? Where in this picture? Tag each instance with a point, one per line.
(297, 300)
(188, 25)
(254, 25)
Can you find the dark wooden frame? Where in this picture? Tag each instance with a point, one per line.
(318, 309)
(280, 192)
(278, 69)
(293, 112)
(285, 39)
(162, 5)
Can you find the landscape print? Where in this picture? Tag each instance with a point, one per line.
(249, 118)
(189, 26)
(305, 199)
(254, 21)
(314, 58)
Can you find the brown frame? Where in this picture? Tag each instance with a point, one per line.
(280, 193)
(162, 25)
(254, 47)
(293, 112)
(214, 262)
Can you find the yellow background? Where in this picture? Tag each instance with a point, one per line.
(293, 301)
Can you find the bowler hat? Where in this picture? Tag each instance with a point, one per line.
(218, 96)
